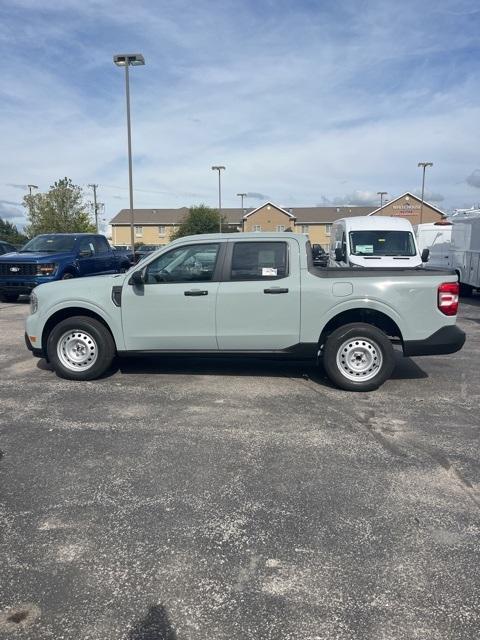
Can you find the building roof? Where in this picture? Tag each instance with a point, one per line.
(303, 215)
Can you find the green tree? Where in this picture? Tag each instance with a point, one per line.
(60, 210)
(10, 233)
(200, 219)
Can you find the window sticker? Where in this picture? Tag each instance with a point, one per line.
(269, 271)
(364, 248)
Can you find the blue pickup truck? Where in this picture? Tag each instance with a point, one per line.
(57, 256)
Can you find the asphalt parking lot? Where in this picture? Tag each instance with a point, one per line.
(188, 500)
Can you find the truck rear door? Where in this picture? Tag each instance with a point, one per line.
(258, 302)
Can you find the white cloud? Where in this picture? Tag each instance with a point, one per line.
(293, 103)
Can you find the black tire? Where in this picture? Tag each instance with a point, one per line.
(367, 343)
(9, 297)
(68, 275)
(91, 335)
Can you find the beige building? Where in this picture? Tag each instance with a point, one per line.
(156, 226)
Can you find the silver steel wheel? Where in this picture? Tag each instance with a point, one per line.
(77, 350)
(359, 359)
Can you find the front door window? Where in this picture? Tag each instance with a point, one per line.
(190, 263)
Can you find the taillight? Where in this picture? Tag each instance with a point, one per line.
(448, 298)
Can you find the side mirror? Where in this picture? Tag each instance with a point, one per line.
(85, 253)
(425, 255)
(137, 278)
(339, 255)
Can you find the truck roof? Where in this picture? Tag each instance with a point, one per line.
(252, 235)
(382, 223)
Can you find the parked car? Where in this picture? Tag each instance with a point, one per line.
(56, 256)
(252, 294)
(124, 252)
(319, 255)
(6, 247)
(374, 241)
(145, 250)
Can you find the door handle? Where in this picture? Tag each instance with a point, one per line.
(196, 292)
(275, 290)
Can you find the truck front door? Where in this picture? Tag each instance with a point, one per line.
(174, 309)
(258, 305)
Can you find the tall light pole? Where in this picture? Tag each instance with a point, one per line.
(424, 165)
(381, 194)
(126, 60)
(95, 205)
(219, 169)
(242, 196)
(30, 187)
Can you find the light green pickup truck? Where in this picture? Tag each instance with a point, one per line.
(247, 294)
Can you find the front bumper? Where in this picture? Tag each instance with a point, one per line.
(23, 284)
(36, 351)
(446, 340)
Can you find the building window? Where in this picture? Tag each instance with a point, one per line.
(304, 228)
(328, 229)
(257, 227)
(280, 227)
(139, 231)
(161, 230)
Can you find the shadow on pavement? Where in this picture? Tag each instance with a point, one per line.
(405, 368)
(155, 626)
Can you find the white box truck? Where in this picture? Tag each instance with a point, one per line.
(463, 254)
(436, 237)
(373, 241)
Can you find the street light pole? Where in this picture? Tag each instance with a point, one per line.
(95, 206)
(242, 196)
(219, 168)
(424, 165)
(126, 60)
(381, 194)
(30, 187)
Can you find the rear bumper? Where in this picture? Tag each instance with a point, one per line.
(446, 340)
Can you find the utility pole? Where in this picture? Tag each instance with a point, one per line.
(95, 205)
(381, 194)
(242, 196)
(424, 165)
(219, 169)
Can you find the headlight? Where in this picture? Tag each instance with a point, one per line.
(45, 269)
(33, 302)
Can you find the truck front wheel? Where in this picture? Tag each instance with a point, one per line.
(358, 357)
(80, 348)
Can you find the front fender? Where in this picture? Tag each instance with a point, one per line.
(112, 320)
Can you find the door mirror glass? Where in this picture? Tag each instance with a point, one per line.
(85, 253)
(339, 255)
(425, 255)
(137, 278)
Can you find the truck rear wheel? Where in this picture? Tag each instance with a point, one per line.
(80, 348)
(358, 357)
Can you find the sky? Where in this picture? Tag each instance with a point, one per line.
(305, 102)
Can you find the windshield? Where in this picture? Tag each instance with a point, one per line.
(382, 243)
(49, 244)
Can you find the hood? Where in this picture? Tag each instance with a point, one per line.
(80, 289)
(400, 262)
(35, 257)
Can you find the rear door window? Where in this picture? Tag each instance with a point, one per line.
(259, 261)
